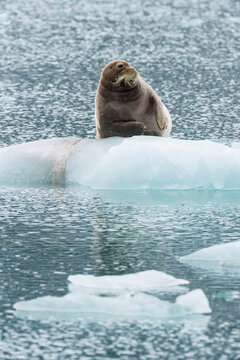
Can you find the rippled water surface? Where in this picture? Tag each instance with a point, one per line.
(52, 53)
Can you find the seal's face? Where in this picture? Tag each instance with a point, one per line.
(120, 74)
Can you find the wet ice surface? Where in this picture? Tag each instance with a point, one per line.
(136, 163)
(51, 57)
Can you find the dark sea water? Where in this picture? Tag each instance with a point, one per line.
(51, 56)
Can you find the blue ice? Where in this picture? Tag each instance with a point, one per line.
(139, 162)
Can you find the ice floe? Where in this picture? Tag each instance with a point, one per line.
(87, 300)
(139, 162)
(218, 258)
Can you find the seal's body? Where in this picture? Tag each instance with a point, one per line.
(126, 105)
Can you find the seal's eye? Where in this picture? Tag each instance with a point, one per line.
(120, 66)
(110, 67)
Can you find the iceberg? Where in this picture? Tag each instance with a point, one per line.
(136, 163)
(224, 258)
(95, 299)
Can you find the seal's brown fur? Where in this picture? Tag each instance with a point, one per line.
(126, 105)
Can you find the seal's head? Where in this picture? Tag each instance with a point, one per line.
(119, 75)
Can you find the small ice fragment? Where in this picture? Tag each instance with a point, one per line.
(196, 301)
(218, 258)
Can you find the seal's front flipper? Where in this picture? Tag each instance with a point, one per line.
(163, 119)
(124, 129)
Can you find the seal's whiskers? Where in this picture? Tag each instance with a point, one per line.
(130, 78)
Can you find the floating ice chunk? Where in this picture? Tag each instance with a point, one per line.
(218, 258)
(196, 301)
(116, 297)
(139, 162)
(142, 281)
(128, 305)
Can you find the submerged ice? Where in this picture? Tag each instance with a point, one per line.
(218, 258)
(139, 162)
(88, 299)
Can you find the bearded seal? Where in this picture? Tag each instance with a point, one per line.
(126, 105)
